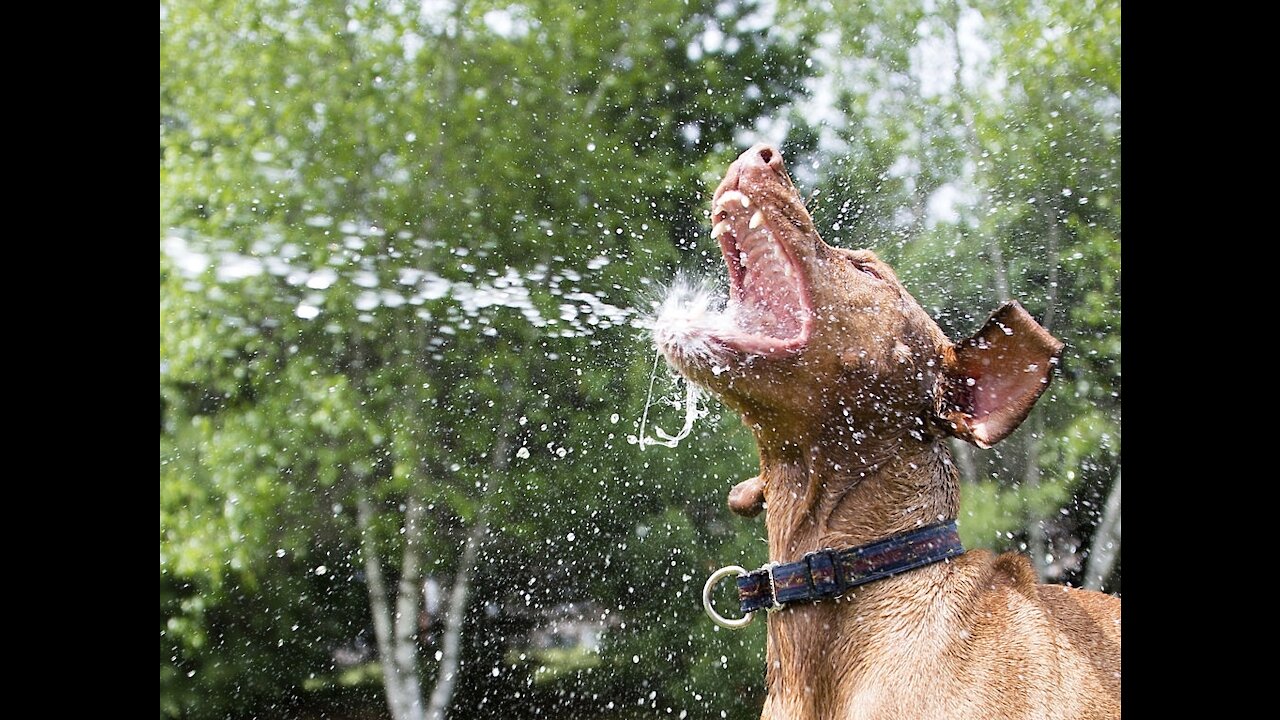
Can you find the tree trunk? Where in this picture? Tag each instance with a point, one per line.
(455, 614)
(1036, 542)
(408, 601)
(962, 452)
(451, 651)
(969, 118)
(1037, 548)
(399, 668)
(1106, 542)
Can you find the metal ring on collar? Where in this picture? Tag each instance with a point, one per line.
(717, 618)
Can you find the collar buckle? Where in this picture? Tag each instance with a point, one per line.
(775, 606)
(824, 572)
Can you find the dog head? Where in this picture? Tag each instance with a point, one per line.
(815, 337)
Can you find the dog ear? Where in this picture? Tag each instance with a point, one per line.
(997, 375)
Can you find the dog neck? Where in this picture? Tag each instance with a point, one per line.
(838, 493)
(842, 494)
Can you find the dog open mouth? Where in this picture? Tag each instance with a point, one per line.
(768, 296)
(764, 231)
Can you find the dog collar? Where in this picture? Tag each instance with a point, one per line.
(828, 573)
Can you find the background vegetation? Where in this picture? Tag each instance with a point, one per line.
(405, 253)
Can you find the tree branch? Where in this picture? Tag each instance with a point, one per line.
(447, 675)
(455, 614)
(1106, 542)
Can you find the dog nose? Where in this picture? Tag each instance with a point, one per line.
(765, 154)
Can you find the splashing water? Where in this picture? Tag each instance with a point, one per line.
(691, 315)
(692, 413)
(582, 308)
(688, 318)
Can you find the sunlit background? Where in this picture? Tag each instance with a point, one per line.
(407, 250)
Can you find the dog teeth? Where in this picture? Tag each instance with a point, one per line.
(719, 229)
(756, 220)
(729, 195)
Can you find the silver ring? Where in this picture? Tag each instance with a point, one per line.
(717, 618)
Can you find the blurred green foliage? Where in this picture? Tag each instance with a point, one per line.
(395, 236)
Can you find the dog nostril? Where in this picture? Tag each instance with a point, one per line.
(766, 155)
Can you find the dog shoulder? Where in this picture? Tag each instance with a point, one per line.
(1091, 620)
(1017, 572)
(1004, 572)
(1057, 636)
(1069, 606)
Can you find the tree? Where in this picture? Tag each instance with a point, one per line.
(977, 148)
(401, 252)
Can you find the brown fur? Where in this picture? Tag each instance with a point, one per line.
(851, 432)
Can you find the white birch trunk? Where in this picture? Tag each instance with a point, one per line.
(454, 620)
(455, 614)
(1106, 542)
(408, 600)
(402, 697)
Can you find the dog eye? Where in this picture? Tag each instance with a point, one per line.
(868, 269)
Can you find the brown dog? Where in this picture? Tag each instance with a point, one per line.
(850, 389)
